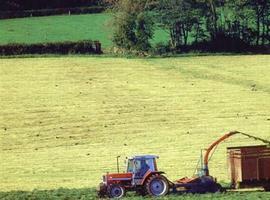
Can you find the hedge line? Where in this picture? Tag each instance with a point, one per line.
(81, 47)
(48, 12)
(221, 44)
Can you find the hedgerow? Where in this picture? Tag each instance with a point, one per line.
(49, 12)
(80, 47)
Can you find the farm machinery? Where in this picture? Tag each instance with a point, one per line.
(143, 176)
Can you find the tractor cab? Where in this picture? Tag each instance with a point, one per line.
(140, 165)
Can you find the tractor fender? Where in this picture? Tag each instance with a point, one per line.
(149, 174)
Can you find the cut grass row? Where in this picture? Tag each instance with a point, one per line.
(65, 119)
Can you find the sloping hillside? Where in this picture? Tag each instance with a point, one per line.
(64, 120)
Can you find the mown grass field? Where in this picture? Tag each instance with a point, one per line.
(62, 28)
(65, 119)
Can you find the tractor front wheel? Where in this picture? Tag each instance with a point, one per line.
(157, 185)
(116, 191)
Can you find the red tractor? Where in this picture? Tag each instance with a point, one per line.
(144, 177)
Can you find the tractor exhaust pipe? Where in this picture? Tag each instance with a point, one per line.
(117, 161)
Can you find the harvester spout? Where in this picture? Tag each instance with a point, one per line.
(205, 170)
(211, 147)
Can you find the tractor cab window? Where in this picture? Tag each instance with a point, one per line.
(144, 164)
(138, 165)
(141, 166)
(130, 167)
(151, 164)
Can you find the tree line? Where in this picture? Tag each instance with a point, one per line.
(231, 23)
(19, 5)
(203, 24)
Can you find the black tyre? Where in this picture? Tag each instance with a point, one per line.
(220, 189)
(116, 191)
(102, 190)
(157, 185)
(267, 188)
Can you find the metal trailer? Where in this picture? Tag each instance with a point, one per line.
(249, 166)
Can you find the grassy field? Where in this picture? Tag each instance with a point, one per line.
(89, 194)
(64, 120)
(61, 28)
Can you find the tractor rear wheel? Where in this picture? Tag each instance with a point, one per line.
(157, 185)
(267, 188)
(116, 191)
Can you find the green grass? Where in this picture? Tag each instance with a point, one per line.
(55, 29)
(62, 28)
(65, 119)
(83, 194)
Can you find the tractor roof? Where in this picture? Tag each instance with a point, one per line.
(144, 157)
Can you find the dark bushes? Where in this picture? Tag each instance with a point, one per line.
(81, 47)
(218, 45)
(223, 43)
(162, 49)
(48, 12)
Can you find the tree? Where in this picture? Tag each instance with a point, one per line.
(124, 35)
(261, 8)
(177, 16)
(133, 24)
(212, 20)
(253, 16)
(239, 21)
(144, 31)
